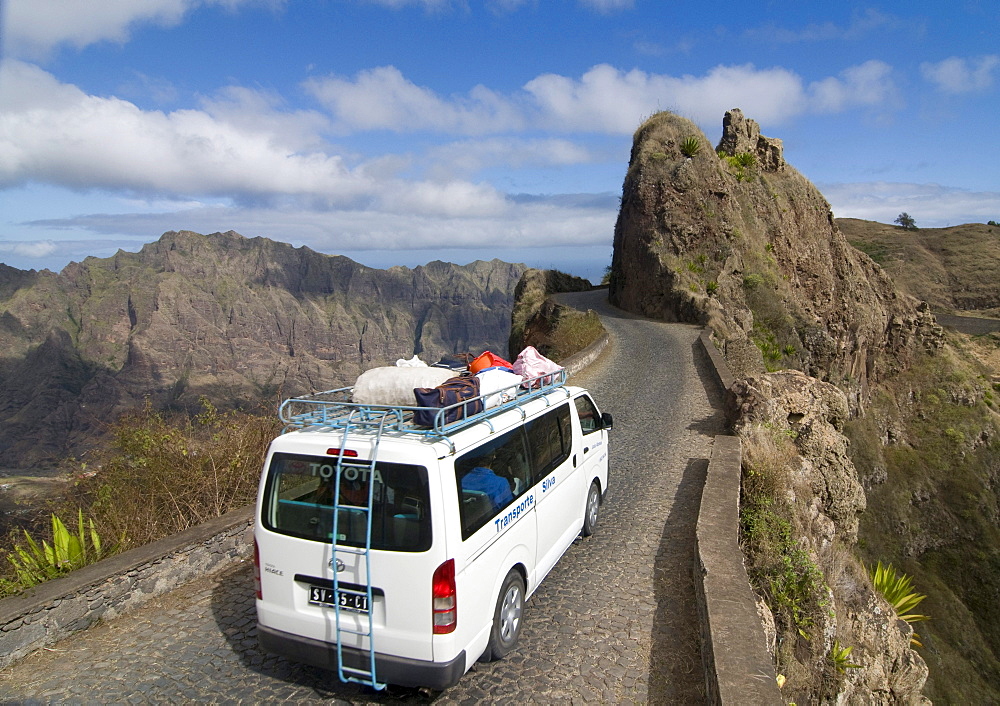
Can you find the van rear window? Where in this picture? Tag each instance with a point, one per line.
(298, 501)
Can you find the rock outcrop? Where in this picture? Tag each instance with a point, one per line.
(239, 320)
(820, 485)
(737, 240)
(742, 242)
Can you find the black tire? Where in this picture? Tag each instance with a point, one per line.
(508, 617)
(592, 510)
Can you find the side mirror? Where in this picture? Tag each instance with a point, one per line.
(606, 421)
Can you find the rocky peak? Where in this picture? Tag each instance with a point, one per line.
(750, 248)
(742, 135)
(737, 240)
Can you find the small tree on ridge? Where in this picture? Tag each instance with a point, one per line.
(906, 221)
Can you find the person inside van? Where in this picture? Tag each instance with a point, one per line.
(484, 480)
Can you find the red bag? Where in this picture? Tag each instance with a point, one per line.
(488, 360)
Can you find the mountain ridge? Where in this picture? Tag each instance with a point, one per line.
(238, 320)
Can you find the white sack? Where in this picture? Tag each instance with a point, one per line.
(499, 385)
(394, 386)
(413, 362)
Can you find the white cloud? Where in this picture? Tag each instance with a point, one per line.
(241, 147)
(931, 205)
(383, 99)
(32, 28)
(860, 26)
(958, 75)
(539, 223)
(608, 6)
(603, 100)
(470, 156)
(31, 250)
(53, 132)
(869, 84)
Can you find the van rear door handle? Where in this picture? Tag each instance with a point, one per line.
(586, 449)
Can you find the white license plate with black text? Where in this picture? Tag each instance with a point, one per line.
(347, 600)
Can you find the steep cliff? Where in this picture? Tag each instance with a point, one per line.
(238, 320)
(736, 239)
(746, 244)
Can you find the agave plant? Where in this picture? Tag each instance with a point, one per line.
(897, 588)
(34, 564)
(690, 146)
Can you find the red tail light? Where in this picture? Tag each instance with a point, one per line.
(444, 598)
(346, 453)
(256, 570)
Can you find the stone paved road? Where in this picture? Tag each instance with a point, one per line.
(614, 622)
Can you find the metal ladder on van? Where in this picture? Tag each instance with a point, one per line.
(348, 673)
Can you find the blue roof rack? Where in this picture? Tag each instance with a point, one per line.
(333, 410)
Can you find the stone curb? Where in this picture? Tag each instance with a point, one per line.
(738, 668)
(578, 361)
(56, 609)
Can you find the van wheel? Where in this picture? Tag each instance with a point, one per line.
(507, 618)
(593, 509)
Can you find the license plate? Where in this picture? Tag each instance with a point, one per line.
(347, 600)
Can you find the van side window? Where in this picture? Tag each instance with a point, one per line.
(590, 420)
(549, 439)
(489, 478)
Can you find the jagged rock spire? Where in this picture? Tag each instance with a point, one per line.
(741, 134)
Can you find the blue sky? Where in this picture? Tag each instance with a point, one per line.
(403, 131)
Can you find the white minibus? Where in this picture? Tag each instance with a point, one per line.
(392, 553)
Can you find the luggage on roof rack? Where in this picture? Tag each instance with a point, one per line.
(335, 410)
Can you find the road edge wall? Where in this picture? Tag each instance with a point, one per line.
(738, 667)
(54, 610)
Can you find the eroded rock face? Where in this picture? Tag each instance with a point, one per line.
(827, 500)
(242, 321)
(752, 251)
(826, 484)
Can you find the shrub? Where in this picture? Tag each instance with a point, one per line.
(165, 473)
(840, 657)
(741, 164)
(574, 331)
(905, 220)
(779, 568)
(897, 589)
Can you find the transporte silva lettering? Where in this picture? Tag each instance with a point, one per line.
(515, 512)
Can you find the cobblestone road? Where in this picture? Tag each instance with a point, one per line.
(615, 621)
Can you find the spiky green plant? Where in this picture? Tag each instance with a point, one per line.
(690, 146)
(897, 588)
(34, 564)
(841, 656)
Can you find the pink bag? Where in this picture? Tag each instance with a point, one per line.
(531, 364)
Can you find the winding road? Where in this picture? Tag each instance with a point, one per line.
(615, 621)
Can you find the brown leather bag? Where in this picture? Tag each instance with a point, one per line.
(450, 392)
